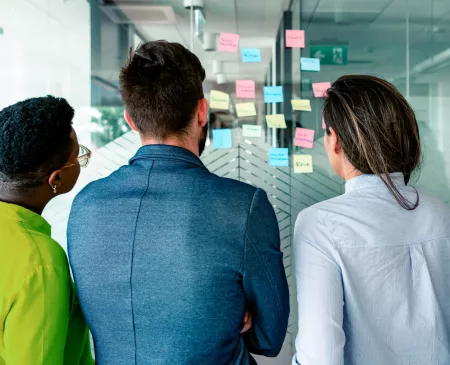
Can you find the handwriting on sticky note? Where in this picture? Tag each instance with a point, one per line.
(245, 110)
(245, 89)
(273, 94)
(309, 64)
(279, 157)
(301, 104)
(222, 138)
(249, 130)
(251, 55)
(303, 164)
(276, 121)
(228, 42)
(295, 38)
(320, 89)
(304, 137)
(219, 100)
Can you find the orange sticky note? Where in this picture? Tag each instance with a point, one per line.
(229, 42)
(295, 38)
(245, 89)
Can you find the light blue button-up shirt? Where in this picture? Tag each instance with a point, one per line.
(373, 279)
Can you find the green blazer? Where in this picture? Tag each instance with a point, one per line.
(40, 318)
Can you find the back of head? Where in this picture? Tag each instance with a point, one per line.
(376, 127)
(35, 140)
(161, 85)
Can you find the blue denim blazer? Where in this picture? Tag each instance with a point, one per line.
(167, 256)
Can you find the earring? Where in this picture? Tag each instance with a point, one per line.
(54, 189)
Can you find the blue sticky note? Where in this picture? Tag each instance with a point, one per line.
(279, 157)
(309, 64)
(222, 138)
(273, 94)
(251, 55)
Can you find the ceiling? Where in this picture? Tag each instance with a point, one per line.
(373, 30)
(256, 23)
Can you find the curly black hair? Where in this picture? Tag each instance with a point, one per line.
(34, 140)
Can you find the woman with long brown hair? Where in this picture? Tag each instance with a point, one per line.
(373, 265)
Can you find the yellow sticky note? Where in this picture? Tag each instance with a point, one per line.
(219, 100)
(276, 121)
(303, 164)
(245, 110)
(301, 104)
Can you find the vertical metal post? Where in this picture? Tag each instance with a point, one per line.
(274, 83)
(192, 27)
(407, 52)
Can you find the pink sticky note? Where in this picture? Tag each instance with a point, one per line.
(245, 89)
(228, 42)
(320, 89)
(295, 38)
(323, 123)
(304, 137)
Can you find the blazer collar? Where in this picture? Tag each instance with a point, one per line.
(162, 151)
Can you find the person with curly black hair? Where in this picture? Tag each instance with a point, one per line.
(40, 158)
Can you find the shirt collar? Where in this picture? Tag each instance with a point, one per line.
(16, 213)
(163, 151)
(371, 180)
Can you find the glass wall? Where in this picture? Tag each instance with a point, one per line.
(75, 48)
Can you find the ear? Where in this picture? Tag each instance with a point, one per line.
(333, 141)
(129, 121)
(202, 112)
(55, 180)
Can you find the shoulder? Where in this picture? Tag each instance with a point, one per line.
(33, 254)
(232, 189)
(316, 216)
(101, 187)
(44, 250)
(313, 224)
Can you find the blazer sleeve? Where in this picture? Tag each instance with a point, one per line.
(264, 279)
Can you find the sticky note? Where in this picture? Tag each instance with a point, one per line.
(276, 121)
(273, 94)
(249, 130)
(245, 89)
(279, 157)
(304, 137)
(320, 88)
(222, 138)
(219, 100)
(251, 55)
(245, 110)
(323, 123)
(228, 42)
(301, 104)
(303, 164)
(309, 64)
(295, 38)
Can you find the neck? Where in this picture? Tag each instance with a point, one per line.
(185, 143)
(350, 172)
(27, 199)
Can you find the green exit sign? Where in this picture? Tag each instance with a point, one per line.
(330, 55)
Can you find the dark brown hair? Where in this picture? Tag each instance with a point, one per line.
(161, 85)
(376, 127)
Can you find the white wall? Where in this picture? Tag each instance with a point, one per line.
(45, 49)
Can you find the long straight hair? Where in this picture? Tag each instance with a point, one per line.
(376, 127)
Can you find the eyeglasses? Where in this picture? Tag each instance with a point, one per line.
(84, 156)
